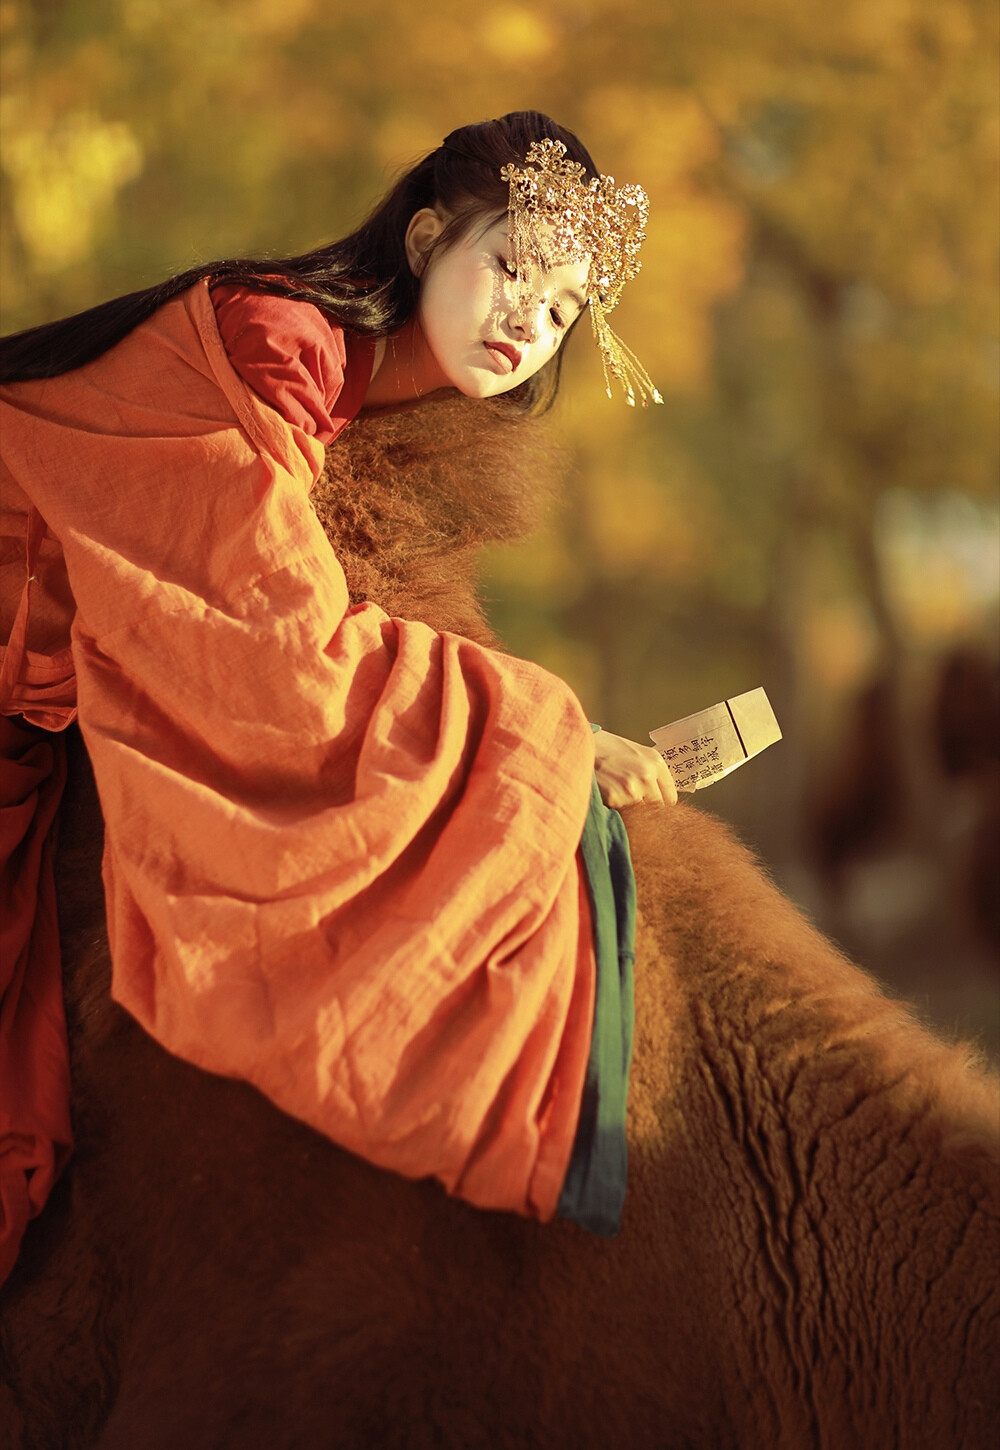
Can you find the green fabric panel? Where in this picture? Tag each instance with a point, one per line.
(593, 1192)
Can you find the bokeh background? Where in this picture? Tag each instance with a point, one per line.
(815, 507)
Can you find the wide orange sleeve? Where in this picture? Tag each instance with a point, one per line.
(340, 848)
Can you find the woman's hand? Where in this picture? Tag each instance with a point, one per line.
(628, 773)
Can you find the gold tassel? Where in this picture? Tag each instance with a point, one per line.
(620, 362)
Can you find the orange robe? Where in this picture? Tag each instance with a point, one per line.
(341, 850)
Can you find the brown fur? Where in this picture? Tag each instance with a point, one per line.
(410, 497)
(808, 1256)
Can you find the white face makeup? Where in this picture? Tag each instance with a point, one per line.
(470, 323)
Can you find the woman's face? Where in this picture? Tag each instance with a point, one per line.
(472, 324)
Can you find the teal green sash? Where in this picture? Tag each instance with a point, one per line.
(593, 1191)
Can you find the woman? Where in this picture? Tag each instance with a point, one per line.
(341, 852)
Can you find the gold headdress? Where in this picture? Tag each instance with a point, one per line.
(583, 219)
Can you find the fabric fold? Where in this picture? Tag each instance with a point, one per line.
(339, 862)
(593, 1191)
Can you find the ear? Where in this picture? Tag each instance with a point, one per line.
(423, 231)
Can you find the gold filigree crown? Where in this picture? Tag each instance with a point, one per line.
(560, 216)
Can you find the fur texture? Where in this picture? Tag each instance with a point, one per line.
(809, 1251)
(410, 497)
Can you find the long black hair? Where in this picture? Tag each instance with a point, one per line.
(363, 282)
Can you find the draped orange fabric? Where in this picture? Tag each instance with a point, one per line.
(341, 849)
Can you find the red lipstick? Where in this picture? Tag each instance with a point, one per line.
(506, 356)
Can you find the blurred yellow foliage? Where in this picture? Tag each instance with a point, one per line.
(64, 178)
(514, 34)
(940, 558)
(663, 525)
(839, 647)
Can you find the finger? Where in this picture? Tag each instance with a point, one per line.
(609, 795)
(657, 788)
(616, 796)
(667, 788)
(647, 793)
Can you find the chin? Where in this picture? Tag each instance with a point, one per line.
(492, 385)
(481, 387)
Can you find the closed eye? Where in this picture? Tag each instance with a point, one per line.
(558, 319)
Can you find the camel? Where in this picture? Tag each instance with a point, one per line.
(808, 1256)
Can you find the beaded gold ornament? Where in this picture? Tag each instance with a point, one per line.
(559, 216)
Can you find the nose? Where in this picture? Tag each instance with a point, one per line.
(525, 318)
